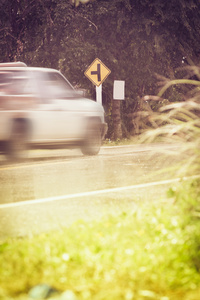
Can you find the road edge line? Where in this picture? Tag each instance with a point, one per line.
(91, 193)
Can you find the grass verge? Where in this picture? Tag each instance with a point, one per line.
(151, 252)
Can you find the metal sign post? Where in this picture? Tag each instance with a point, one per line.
(99, 94)
(118, 95)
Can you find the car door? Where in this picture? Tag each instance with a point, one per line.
(57, 118)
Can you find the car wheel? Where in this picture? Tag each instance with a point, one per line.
(17, 147)
(92, 142)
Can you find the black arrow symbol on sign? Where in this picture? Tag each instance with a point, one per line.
(97, 72)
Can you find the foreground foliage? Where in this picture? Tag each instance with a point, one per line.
(149, 253)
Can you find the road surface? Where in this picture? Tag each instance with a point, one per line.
(54, 188)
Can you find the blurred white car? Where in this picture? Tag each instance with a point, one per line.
(39, 108)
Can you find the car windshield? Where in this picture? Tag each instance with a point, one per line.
(53, 85)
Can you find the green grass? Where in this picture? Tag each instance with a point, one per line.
(120, 142)
(133, 140)
(151, 252)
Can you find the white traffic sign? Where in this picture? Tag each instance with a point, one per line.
(119, 90)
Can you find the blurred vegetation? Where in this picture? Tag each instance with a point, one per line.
(151, 252)
(179, 122)
(136, 40)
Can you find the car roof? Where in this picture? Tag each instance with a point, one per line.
(15, 66)
(27, 69)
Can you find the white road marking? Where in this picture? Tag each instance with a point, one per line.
(93, 193)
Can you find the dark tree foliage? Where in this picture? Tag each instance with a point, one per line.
(135, 39)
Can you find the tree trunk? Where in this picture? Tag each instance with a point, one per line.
(116, 116)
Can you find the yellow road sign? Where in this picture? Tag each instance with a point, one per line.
(97, 72)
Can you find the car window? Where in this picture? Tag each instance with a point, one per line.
(15, 83)
(4, 82)
(52, 85)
